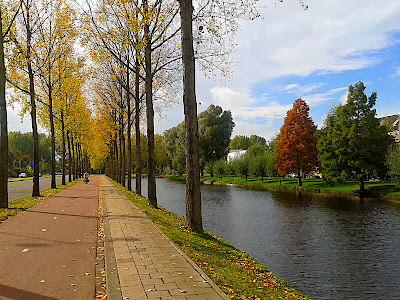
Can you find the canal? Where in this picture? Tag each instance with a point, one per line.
(328, 248)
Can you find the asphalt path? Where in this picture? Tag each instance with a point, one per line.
(48, 252)
(22, 188)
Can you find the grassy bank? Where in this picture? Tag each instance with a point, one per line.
(373, 188)
(236, 273)
(24, 203)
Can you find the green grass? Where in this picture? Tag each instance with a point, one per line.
(26, 178)
(24, 203)
(19, 179)
(235, 272)
(373, 188)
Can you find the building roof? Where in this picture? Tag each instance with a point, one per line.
(392, 121)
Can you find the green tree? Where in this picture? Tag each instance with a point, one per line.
(240, 142)
(215, 129)
(220, 168)
(355, 144)
(22, 143)
(229, 169)
(160, 152)
(393, 163)
(242, 167)
(257, 150)
(258, 166)
(210, 168)
(257, 140)
(244, 142)
(174, 145)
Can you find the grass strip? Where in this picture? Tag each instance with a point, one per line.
(374, 189)
(235, 272)
(25, 178)
(24, 203)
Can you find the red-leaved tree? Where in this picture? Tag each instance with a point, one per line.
(295, 148)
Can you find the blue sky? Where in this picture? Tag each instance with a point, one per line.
(291, 53)
(314, 55)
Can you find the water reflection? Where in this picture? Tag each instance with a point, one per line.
(329, 248)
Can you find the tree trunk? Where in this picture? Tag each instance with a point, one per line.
(53, 136)
(299, 176)
(80, 155)
(151, 176)
(120, 158)
(35, 189)
(3, 126)
(77, 160)
(128, 131)
(123, 162)
(116, 160)
(63, 147)
(362, 186)
(73, 157)
(69, 158)
(193, 195)
(137, 132)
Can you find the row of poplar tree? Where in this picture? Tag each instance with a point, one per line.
(46, 79)
(138, 56)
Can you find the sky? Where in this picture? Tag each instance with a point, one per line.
(293, 53)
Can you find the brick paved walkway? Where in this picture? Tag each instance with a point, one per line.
(142, 263)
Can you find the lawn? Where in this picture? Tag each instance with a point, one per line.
(373, 188)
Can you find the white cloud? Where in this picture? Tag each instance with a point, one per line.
(343, 99)
(316, 99)
(244, 128)
(242, 105)
(396, 73)
(300, 90)
(231, 100)
(332, 36)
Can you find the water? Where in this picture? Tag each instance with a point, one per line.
(328, 248)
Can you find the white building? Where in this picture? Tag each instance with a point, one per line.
(235, 154)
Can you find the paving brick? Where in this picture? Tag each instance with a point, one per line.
(159, 294)
(148, 265)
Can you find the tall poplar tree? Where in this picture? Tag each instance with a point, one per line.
(193, 195)
(355, 144)
(295, 147)
(22, 69)
(3, 103)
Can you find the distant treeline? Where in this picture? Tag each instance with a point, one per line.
(21, 153)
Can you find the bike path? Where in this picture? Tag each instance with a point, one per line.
(49, 250)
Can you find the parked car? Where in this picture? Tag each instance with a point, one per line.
(22, 175)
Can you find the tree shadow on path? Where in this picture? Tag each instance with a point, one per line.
(14, 293)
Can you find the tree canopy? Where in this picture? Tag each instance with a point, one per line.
(295, 147)
(354, 144)
(215, 129)
(244, 142)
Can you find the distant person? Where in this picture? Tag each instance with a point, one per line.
(86, 179)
